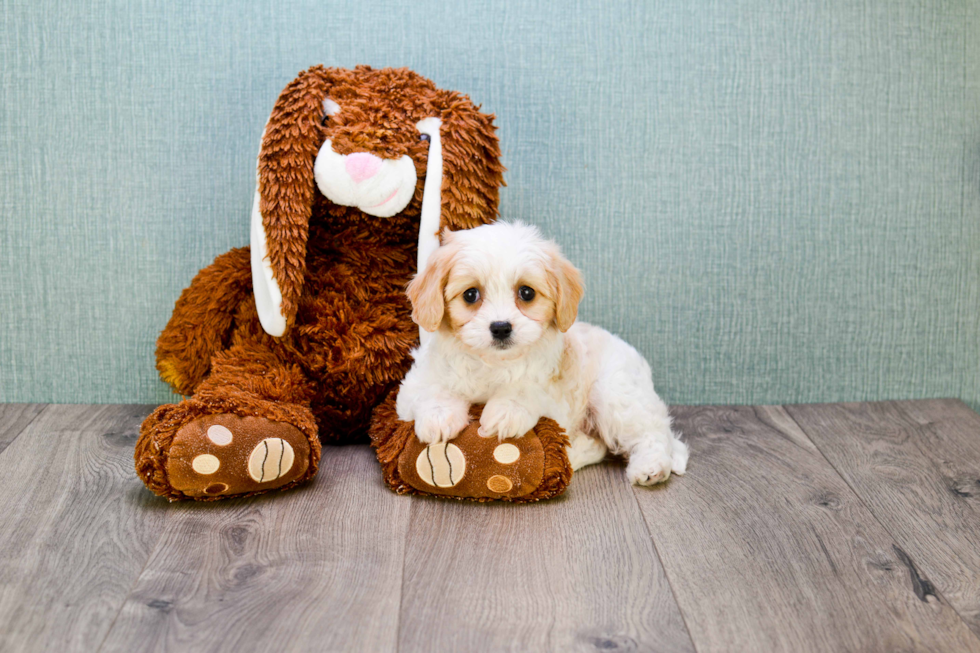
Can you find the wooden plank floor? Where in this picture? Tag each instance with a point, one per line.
(844, 527)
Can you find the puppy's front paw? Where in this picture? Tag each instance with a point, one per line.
(506, 419)
(649, 466)
(439, 422)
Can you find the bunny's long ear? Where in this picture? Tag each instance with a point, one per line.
(284, 198)
(463, 178)
(472, 172)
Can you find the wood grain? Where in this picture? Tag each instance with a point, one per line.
(578, 573)
(916, 464)
(14, 418)
(315, 569)
(767, 548)
(77, 527)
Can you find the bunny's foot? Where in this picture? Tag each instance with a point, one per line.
(182, 454)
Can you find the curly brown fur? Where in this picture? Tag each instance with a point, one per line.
(202, 320)
(342, 272)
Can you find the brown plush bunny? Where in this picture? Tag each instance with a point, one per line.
(299, 337)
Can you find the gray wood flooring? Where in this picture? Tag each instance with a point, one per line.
(839, 527)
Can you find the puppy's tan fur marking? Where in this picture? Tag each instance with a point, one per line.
(426, 290)
(541, 308)
(459, 311)
(565, 282)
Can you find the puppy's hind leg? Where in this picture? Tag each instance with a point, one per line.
(653, 448)
(633, 421)
(651, 463)
(584, 451)
(678, 461)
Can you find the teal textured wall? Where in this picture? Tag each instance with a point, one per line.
(774, 202)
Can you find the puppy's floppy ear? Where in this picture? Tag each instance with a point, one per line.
(426, 290)
(567, 287)
(472, 172)
(284, 198)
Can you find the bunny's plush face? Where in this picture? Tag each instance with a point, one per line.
(377, 186)
(386, 142)
(374, 154)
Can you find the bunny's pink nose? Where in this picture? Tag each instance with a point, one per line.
(361, 166)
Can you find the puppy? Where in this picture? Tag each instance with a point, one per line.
(501, 302)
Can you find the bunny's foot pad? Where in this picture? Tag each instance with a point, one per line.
(530, 468)
(186, 453)
(227, 454)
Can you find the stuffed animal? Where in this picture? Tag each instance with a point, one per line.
(299, 337)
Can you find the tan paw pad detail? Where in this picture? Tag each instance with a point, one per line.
(224, 455)
(220, 435)
(506, 454)
(270, 459)
(441, 464)
(499, 484)
(206, 464)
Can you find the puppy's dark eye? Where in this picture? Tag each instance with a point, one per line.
(470, 296)
(425, 137)
(526, 293)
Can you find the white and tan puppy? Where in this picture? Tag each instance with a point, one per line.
(501, 302)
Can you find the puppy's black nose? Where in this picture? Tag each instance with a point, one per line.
(500, 330)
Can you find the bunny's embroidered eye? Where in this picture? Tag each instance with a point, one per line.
(526, 293)
(425, 137)
(471, 295)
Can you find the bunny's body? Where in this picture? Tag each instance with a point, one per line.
(297, 338)
(353, 330)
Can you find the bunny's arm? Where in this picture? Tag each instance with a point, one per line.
(202, 320)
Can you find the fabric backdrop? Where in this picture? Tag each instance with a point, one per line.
(774, 202)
